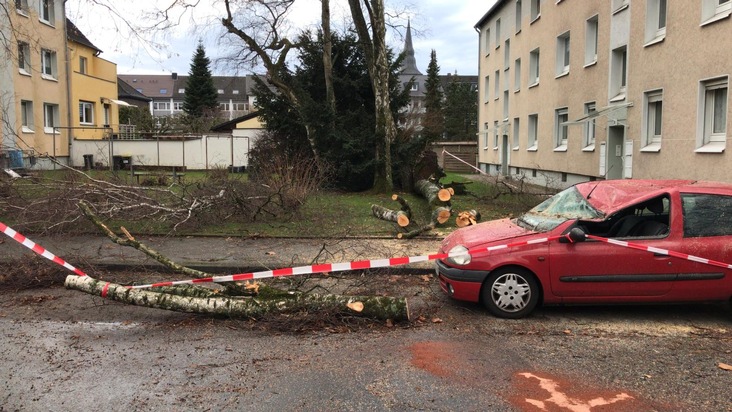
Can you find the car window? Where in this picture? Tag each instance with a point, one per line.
(707, 215)
(649, 218)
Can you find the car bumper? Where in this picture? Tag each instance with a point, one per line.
(460, 284)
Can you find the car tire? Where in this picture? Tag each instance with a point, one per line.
(510, 293)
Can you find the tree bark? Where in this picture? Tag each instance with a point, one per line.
(405, 206)
(416, 232)
(433, 193)
(328, 56)
(379, 307)
(440, 215)
(397, 216)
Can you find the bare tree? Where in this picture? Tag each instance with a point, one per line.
(372, 36)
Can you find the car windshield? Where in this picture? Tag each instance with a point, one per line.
(565, 205)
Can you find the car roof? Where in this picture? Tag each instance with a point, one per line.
(610, 196)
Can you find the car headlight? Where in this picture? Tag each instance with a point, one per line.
(458, 255)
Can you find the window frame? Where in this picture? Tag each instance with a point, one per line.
(589, 132)
(652, 115)
(47, 12)
(83, 65)
(86, 112)
(516, 129)
(655, 31)
(619, 74)
(495, 134)
(534, 72)
(518, 15)
(24, 58)
(517, 75)
(713, 11)
(563, 54)
(21, 7)
(533, 133)
(49, 127)
(709, 141)
(49, 64)
(561, 131)
(497, 84)
(535, 10)
(592, 26)
(27, 123)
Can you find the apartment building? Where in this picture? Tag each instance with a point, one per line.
(168, 93)
(93, 89)
(576, 90)
(34, 97)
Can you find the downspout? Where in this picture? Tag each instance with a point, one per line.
(68, 83)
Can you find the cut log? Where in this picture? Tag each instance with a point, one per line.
(459, 188)
(434, 194)
(397, 216)
(467, 218)
(376, 307)
(440, 215)
(405, 206)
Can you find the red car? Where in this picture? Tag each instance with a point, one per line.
(558, 252)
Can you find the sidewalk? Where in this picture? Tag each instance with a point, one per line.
(222, 254)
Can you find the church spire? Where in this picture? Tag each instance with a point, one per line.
(409, 65)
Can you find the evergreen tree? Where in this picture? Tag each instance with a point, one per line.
(461, 110)
(433, 122)
(201, 94)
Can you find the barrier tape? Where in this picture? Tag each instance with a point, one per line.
(345, 266)
(38, 249)
(357, 265)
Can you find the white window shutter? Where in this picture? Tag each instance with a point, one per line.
(628, 160)
(603, 159)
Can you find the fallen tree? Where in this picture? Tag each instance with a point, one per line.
(396, 216)
(434, 194)
(249, 300)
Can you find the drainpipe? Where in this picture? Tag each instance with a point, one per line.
(68, 82)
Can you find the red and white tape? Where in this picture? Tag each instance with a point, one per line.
(340, 267)
(660, 251)
(38, 249)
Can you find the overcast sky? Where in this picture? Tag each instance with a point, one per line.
(443, 25)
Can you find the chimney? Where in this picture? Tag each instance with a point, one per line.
(175, 76)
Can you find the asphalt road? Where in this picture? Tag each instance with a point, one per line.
(65, 350)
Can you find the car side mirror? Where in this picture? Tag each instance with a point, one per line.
(575, 235)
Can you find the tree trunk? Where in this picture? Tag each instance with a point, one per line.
(433, 193)
(405, 206)
(440, 215)
(416, 232)
(397, 216)
(467, 218)
(328, 56)
(380, 307)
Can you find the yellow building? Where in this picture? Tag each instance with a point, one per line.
(34, 96)
(93, 89)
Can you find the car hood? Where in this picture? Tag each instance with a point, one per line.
(484, 233)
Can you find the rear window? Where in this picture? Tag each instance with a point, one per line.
(707, 215)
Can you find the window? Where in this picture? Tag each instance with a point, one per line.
(48, 64)
(486, 92)
(161, 105)
(220, 91)
(495, 135)
(83, 65)
(485, 136)
(86, 112)
(655, 21)
(714, 110)
(163, 91)
(591, 41)
(50, 118)
(497, 84)
(507, 55)
(48, 11)
(21, 6)
(224, 106)
(505, 105)
(589, 128)
(535, 9)
(239, 106)
(177, 106)
(235, 92)
(517, 75)
(24, 58)
(533, 130)
(487, 41)
(181, 91)
(561, 116)
(618, 74)
(518, 16)
(516, 129)
(498, 33)
(715, 10)
(652, 121)
(562, 54)
(706, 215)
(107, 115)
(534, 68)
(26, 116)
(415, 86)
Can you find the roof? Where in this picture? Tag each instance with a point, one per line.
(172, 85)
(409, 65)
(75, 35)
(232, 87)
(150, 85)
(489, 13)
(125, 91)
(231, 124)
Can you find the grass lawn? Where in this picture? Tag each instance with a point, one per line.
(324, 214)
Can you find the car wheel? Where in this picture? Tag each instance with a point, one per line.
(510, 293)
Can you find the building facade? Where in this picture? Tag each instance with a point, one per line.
(34, 96)
(575, 90)
(168, 92)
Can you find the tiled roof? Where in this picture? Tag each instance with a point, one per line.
(125, 91)
(74, 34)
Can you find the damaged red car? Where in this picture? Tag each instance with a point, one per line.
(688, 217)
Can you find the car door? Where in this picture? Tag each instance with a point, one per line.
(593, 268)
